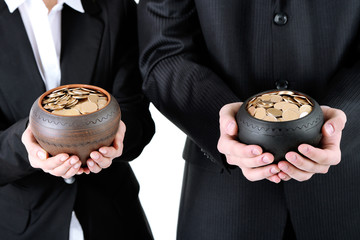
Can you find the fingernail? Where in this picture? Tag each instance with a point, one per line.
(91, 163)
(265, 159)
(329, 128)
(292, 157)
(230, 127)
(304, 149)
(41, 155)
(77, 165)
(255, 152)
(94, 156)
(274, 170)
(103, 151)
(63, 158)
(284, 167)
(73, 161)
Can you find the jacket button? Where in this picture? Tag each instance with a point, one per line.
(280, 19)
(281, 84)
(69, 180)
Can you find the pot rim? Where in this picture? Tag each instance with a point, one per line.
(280, 124)
(77, 85)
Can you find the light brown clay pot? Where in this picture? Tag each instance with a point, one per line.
(75, 135)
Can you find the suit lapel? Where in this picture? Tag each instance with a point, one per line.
(81, 39)
(19, 74)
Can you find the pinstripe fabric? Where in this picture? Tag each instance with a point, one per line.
(197, 55)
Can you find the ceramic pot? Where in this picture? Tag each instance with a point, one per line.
(279, 138)
(75, 135)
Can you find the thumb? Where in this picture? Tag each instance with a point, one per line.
(32, 146)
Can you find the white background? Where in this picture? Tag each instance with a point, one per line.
(159, 170)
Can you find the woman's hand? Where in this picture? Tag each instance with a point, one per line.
(103, 157)
(61, 165)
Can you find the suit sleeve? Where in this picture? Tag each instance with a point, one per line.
(13, 155)
(177, 78)
(127, 84)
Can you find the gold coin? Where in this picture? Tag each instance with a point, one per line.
(57, 94)
(88, 107)
(270, 118)
(260, 113)
(50, 100)
(279, 105)
(79, 92)
(286, 93)
(265, 97)
(289, 99)
(80, 96)
(305, 108)
(74, 101)
(101, 103)
(276, 98)
(252, 110)
(93, 98)
(303, 114)
(265, 104)
(288, 105)
(274, 112)
(290, 114)
(71, 112)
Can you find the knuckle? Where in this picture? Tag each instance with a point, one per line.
(324, 170)
(250, 177)
(304, 178)
(55, 173)
(230, 160)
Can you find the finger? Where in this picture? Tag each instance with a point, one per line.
(73, 170)
(305, 164)
(229, 146)
(335, 120)
(294, 172)
(32, 146)
(253, 162)
(256, 174)
(92, 166)
(122, 128)
(274, 179)
(111, 152)
(100, 160)
(54, 162)
(330, 155)
(283, 176)
(227, 118)
(72, 165)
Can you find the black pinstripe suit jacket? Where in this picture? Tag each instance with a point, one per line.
(197, 55)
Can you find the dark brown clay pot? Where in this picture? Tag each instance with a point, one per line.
(75, 135)
(279, 138)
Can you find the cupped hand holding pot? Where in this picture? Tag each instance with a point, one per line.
(63, 165)
(257, 165)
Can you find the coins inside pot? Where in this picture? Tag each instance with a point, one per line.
(279, 106)
(74, 101)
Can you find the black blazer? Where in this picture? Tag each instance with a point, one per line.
(197, 55)
(99, 48)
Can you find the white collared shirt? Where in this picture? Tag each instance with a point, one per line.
(44, 31)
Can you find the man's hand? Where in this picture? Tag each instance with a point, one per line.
(103, 157)
(316, 160)
(254, 164)
(61, 165)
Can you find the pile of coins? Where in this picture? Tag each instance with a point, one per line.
(279, 106)
(74, 101)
